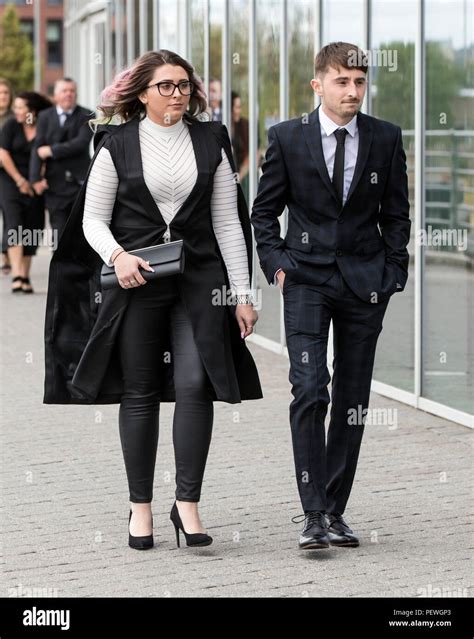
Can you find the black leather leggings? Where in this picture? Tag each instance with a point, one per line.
(152, 308)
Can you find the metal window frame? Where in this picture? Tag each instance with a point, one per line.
(156, 25)
(207, 46)
(142, 26)
(284, 115)
(119, 57)
(130, 30)
(420, 126)
(253, 119)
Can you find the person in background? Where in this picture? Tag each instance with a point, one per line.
(23, 209)
(62, 142)
(240, 142)
(6, 98)
(215, 99)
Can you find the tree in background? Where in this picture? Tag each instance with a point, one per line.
(395, 97)
(16, 53)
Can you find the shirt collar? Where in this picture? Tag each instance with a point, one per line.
(329, 126)
(59, 111)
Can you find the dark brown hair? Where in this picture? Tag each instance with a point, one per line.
(121, 97)
(340, 54)
(34, 101)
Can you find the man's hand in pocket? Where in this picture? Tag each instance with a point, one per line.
(281, 279)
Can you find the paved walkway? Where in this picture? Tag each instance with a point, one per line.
(65, 496)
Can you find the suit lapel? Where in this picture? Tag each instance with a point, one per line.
(364, 128)
(134, 163)
(312, 136)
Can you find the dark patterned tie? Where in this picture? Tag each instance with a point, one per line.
(338, 174)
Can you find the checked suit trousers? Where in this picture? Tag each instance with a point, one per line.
(325, 470)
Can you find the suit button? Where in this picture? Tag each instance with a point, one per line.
(340, 220)
(338, 252)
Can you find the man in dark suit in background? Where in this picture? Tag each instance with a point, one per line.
(343, 176)
(62, 142)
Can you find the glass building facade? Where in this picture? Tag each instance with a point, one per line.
(421, 77)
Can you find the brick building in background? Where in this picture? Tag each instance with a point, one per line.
(51, 36)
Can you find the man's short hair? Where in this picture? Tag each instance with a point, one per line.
(66, 79)
(340, 54)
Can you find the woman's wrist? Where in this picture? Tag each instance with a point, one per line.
(20, 181)
(243, 298)
(116, 253)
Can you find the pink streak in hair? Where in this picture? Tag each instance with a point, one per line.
(117, 89)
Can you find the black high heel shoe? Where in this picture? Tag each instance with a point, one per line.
(192, 539)
(139, 543)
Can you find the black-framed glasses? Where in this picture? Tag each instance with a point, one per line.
(166, 89)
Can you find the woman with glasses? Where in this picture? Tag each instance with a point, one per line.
(163, 174)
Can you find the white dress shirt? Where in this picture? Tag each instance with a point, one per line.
(62, 115)
(329, 142)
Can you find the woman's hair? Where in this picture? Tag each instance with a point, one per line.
(34, 101)
(6, 83)
(120, 99)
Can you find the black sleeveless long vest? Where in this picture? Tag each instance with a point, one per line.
(82, 363)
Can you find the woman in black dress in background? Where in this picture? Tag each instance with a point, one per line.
(6, 99)
(23, 209)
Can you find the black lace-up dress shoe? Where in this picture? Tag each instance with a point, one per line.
(314, 533)
(339, 532)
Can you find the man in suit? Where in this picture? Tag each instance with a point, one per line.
(343, 176)
(62, 143)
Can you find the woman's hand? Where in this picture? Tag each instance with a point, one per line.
(126, 269)
(25, 188)
(247, 317)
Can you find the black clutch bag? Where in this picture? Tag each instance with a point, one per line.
(166, 259)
